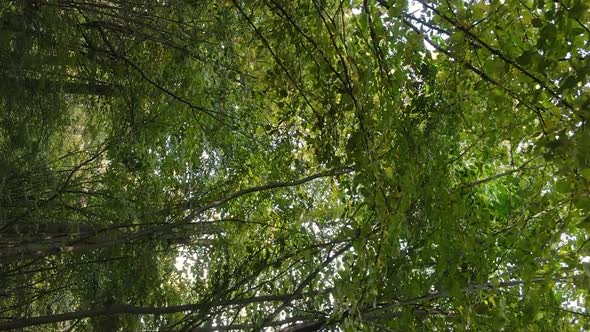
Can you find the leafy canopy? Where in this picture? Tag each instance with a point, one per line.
(314, 165)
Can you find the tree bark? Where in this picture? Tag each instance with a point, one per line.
(120, 309)
(42, 85)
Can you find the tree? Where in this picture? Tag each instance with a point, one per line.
(317, 165)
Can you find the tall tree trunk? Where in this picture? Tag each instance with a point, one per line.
(9, 84)
(121, 309)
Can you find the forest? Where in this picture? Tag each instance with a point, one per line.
(294, 166)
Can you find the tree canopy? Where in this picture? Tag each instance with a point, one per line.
(311, 165)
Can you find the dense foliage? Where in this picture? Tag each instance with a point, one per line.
(312, 165)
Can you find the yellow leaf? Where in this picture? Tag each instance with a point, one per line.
(388, 172)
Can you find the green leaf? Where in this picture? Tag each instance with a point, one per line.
(536, 22)
(568, 82)
(582, 203)
(584, 224)
(562, 186)
(524, 59)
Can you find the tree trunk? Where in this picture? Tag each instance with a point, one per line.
(9, 84)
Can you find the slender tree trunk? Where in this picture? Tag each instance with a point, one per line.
(120, 309)
(46, 229)
(41, 85)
